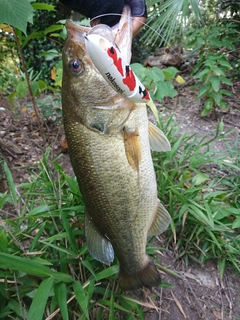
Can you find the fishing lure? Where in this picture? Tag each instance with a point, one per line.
(116, 71)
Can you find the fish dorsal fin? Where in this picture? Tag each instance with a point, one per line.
(160, 222)
(158, 140)
(124, 34)
(99, 247)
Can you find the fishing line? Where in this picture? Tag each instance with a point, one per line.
(146, 25)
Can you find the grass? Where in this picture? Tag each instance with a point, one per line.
(45, 268)
(202, 189)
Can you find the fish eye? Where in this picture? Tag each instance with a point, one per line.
(76, 66)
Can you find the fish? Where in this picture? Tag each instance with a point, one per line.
(110, 140)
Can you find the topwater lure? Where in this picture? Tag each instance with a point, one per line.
(115, 70)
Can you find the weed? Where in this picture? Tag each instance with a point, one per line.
(202, 189)
(211, 72)
(45, 266)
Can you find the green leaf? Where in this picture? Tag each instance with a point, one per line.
(157, 74)
(208, 106)
(214, 41)
(61, 296)
(203, 91)
(16, 13)
(52, 28)
(107, 273)
(10, 182)
(71, 238)
(22, 89)
(39, 302)
(200, 178)
(170, 73)
(226, 92)
(217, 97)
(223, 105)
(236, 223)
(42, 209)
(225, 80)
(11, 262)
(223, 61)
(14, 305)
(215, 83)
(82, 297)
(43, 6)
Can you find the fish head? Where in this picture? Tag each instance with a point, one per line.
(79, 68)
(86, 95)
(80, 77)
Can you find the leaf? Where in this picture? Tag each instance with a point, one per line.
(107, 273)
(217, 97)
(208, 106)
(180, 80)
(39, 302)
(82, 297)
(16, 13)
(203, 91)
(61, 296)
(11, 262)
(52, 28)
(236, 223)
(215, 83)
(170, 73)
(200, 178)
(43, 6)
(225, 80)
(156, 74)
(10, 183)
(42, 209)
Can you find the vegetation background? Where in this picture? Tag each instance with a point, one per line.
(45, 268)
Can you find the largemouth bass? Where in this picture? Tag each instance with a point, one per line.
(109, 139)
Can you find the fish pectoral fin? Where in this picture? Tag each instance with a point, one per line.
(132, 147)
(100, 248)
(160, 222)
(158, 140)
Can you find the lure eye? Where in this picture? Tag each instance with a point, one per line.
(76, 66)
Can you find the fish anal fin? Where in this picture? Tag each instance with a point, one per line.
(99, 247)
(132, 148)
(148, 277)
(161, 221)
(158, 140)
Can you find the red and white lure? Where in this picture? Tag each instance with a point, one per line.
(116, 71)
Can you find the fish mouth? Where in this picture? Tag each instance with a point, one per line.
(122, 36)
(76, 32)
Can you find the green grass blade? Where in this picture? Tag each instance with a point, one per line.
(61, 295)
(31, 267)
(82, 297)
(10, 183)
(111, 309)
(107, 272)
(68, 229)
(39, 302)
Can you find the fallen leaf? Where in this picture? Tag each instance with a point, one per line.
(64, 146)
(53, 73)
(180, 80)
(218, 315)
(178, 305)
(24, 109)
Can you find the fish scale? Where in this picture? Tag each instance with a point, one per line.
(109, 145)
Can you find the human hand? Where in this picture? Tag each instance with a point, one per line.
(137, 23)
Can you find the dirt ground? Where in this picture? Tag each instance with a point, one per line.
(197, 293)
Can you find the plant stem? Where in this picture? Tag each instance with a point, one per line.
(35, 107)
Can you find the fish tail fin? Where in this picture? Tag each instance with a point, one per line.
(147, 277)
